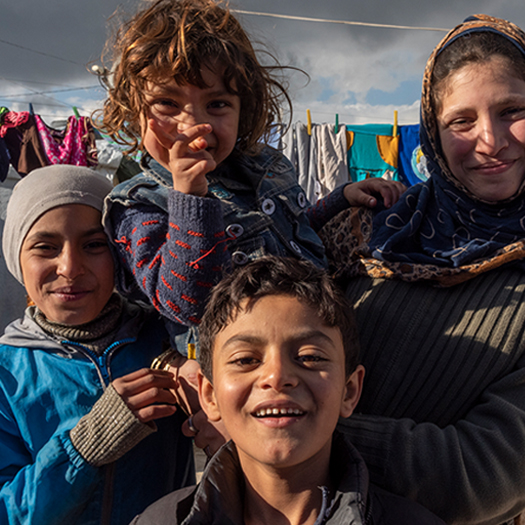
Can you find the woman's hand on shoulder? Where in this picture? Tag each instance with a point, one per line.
(365, 192)
(186, 392)
(183, 154)
(148, 393)
(207, 434)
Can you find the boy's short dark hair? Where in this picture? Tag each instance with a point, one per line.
(277, 276)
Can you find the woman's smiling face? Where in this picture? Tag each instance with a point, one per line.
(67, 264)
(481, 122)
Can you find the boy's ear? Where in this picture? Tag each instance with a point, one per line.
(207, 397)
(354, 385)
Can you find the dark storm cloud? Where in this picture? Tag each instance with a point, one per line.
(344, 62)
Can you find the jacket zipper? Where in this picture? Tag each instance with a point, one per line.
(102, 363)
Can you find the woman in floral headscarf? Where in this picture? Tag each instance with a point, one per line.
(438, 281)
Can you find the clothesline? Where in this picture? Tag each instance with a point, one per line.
(41, 53)
(81, 88)
(345, 22)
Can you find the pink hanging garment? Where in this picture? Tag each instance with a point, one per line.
(64, 147)
(13, 119)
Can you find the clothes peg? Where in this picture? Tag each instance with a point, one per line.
(337, 122)
(31, 110)
(394, 130)
(308, 122)
(75, 111)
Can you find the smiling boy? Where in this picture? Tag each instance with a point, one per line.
(279, 356)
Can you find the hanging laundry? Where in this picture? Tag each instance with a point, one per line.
(3, 112)
(23, 143)
(301, 149)
(13, 119)
(5, 160)
(372, 152)
(109, 158)
(412, 165)
(73, 145)
(332, 157)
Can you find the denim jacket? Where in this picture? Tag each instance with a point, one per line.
(174, 246)
(272, 221)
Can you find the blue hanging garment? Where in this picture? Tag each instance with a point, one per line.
(412, 166)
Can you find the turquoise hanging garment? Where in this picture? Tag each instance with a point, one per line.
(372, 151)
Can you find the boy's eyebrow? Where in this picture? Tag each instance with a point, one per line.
(298, 338)
(311, 336)
(243, 338)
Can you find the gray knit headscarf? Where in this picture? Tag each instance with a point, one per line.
(38, 192)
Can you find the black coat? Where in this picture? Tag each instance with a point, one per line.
(218, 499)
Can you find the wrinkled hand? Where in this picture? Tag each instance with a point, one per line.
(209, 435)
(362, 193)
(183, 154)
(147, 393)
(186, 391)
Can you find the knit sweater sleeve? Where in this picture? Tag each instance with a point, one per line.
(472, 472)
(327, 208)
(175, 258)
(108, 431)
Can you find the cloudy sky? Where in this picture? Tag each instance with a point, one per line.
(361, 73)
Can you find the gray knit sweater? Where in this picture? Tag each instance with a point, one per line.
(445, 382)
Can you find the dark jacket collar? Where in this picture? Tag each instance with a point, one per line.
(219, 497)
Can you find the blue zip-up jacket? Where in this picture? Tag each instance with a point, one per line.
(45, 388)
(174, 247)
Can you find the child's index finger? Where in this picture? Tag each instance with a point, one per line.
(193, 137)
(198, 144)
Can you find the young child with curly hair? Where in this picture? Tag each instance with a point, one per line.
(189, 90)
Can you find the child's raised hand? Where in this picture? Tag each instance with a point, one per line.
(362, 193)
(183, 154)
(148, 393)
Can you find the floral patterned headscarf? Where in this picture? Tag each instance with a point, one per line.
(438, 230)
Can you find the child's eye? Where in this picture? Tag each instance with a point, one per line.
(244, 361)
(43, 248)
(218, 104)
(165, 102)
(97, 245)
(307, 359)
(164, 106)
(516, 111)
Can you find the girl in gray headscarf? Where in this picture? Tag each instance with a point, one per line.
(84, 432)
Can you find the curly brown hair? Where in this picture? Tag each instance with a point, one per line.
(175, 39)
